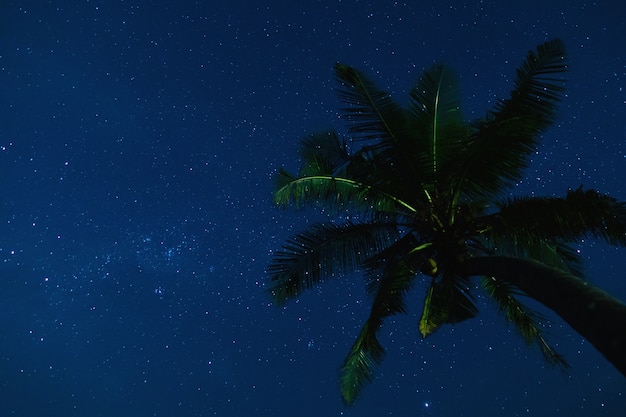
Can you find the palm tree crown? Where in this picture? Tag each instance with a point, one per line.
(426, 191)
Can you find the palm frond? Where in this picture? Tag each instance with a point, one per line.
(372, 112)
(324, 250)
(552, 252)
(433, 314)
(538, 87)
(503, 142)
(525, 321)
(581, 213)
(336, 193)
(448, 301)
(422, 183)
(367, 352)
(440, 129)
(364, 355)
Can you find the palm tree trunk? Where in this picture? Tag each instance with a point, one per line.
(594, 314)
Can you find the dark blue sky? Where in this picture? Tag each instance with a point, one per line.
(138, 141)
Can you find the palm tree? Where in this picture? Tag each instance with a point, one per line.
(418, 193)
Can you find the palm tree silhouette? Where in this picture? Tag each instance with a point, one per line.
(419, 193)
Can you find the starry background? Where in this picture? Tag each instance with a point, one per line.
(138, 141)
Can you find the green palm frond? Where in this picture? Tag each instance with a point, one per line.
(364, 355)
(325, 156)
(389, 158)
(440, 130)
(581, 213)
(367, 352)
(395, 281)
(448, 301)
(503, 142)
(525, 321)
(324, 250)
(423, 184)
(372, 112)
(433, 313)
(538, 87)
(336, 193)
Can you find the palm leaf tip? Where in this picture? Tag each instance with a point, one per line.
(357, 370)
(538, 86)
(372, 112)
(525, 321)
(581, 213)
(505, 139)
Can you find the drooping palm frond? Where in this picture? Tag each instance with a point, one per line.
(433, 313)
(593, 313)
(324, 250)
(391, 274)
(581, 213)
(503, 142)
(523, 320)
(369, 164)
(447, 301)
(364, 355)
(337, 193)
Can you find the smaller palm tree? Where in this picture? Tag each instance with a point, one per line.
(418, 193)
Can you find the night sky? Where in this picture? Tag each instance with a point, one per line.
(138, 145)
